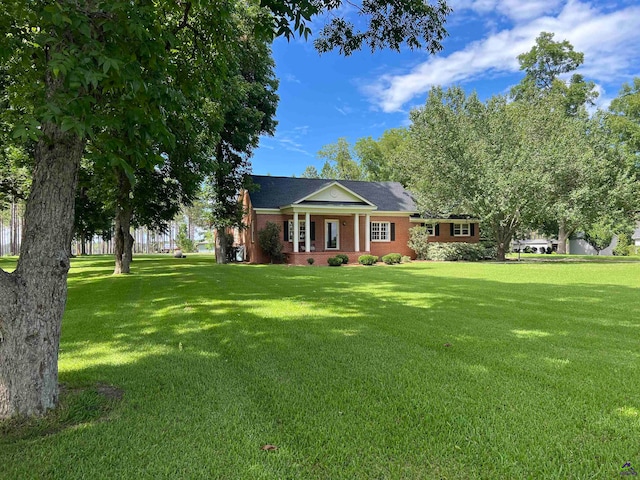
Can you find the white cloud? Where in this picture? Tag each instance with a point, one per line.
(301, 130)
(289, 77)
(291, 140)
(610, 42)
(517, 10)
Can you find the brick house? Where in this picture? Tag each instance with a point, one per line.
(319, 218)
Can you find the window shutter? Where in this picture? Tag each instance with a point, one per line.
(437, 230)
(393, 232)
(285, 230)
(473, 229)
(313, 231)
(451, 225)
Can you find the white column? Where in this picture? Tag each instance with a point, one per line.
(356, 231)
(307, 232)
(296, 233)
(367, 233)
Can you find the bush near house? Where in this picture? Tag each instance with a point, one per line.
(343, 257)
(367, 259)
(311, 260)
(392, 258)
(406, 259)
(451, 252)
(419, 242)
(334, 261)
(269, 241)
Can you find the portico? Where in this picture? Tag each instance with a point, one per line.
(341, 229)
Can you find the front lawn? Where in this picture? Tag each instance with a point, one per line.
(423, 370)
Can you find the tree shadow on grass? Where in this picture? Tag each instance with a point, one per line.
(352, 372)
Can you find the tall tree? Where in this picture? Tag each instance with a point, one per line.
(624, 122)
(79, 69)
(544, 65)
(376, 156)
(486, 160)
(310, 172)
(339, 162)
(248, 113)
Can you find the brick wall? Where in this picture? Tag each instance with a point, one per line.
(346, 237)
(399, 245)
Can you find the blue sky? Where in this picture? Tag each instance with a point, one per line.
(324, 97)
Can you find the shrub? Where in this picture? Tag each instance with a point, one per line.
(183, 242)
(406, 259)
(345, 258)
(392, 258)
(367, 259)
(334, 261)
(469, 252)
(622, 249)
(310, 260)
(549, 250)
(269, 241)
(526, 249)
(419, 242)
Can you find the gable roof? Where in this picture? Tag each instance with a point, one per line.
(276, 192)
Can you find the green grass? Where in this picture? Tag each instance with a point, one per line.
(423, 370)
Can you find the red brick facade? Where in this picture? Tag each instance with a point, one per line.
(398, 224)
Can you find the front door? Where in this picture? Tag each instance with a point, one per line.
(331, 235)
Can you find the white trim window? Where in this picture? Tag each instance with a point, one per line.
(380, 231)
(431, 228)
(461, 230)
(301, 226)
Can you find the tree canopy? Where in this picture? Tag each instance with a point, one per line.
(125, 79)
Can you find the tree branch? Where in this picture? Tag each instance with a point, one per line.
(185, 18)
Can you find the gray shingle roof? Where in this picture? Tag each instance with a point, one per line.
(275, 192)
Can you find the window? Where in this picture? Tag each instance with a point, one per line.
(431, 228)
(380, 232)
(301, 226)
(461, 230)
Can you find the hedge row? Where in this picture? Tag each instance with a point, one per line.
(468, 252)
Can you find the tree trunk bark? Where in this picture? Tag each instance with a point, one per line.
(123, 239)
(123, 242)
(221, 246)
(34, 295)
(562, 238)
(503, 241)
(501, 254)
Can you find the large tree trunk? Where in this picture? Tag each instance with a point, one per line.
(503, 237)
(34, 295)
(221, 246)
(124, 241)
(563, 235)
